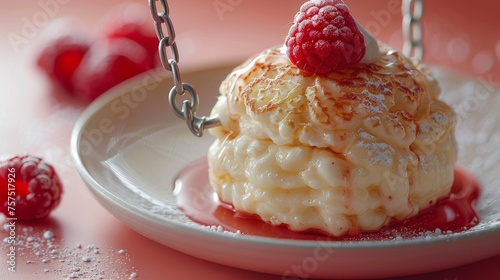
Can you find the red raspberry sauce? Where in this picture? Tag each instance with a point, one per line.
(200, 203)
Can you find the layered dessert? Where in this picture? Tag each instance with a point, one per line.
(333, 132)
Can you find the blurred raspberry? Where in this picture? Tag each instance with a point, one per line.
(132, 21)
(37, 188)
(108, 63)
(324, 38)
(125, 46)
(65, 43)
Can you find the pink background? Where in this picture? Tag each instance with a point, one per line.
(458, 36)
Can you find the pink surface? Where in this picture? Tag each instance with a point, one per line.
(36, 120)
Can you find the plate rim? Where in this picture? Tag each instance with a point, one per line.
(121, 89)
(107, 198)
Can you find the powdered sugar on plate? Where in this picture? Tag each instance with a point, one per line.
(44, 248)
(222, 230)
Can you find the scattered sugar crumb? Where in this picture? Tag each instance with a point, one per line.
(48, 234)
(6, 227)
(221, 229)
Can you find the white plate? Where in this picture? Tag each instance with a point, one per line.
(128, 147)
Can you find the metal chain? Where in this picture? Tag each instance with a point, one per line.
(413, 11)
(167, 45)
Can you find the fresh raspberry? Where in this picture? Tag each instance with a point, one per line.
(108, 63)
(132, 21)
(324, 38)
(35, 185)
(64, 46)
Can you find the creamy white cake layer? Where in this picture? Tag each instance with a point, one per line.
(343, 153)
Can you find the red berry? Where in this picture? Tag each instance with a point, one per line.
(132, 21)
(65, 44)
(324, 38)
(136, 33)
(108, 63)
(34, 184)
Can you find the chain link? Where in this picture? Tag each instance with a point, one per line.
(168, 46)
(413, 11)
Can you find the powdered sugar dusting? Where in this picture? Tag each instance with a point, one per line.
(35, 246)
(222, 230)
(366, 136)
(373, 103)
(379, 153)
(437, 233)
(438, 118)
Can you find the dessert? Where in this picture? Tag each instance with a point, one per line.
(344, 150)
